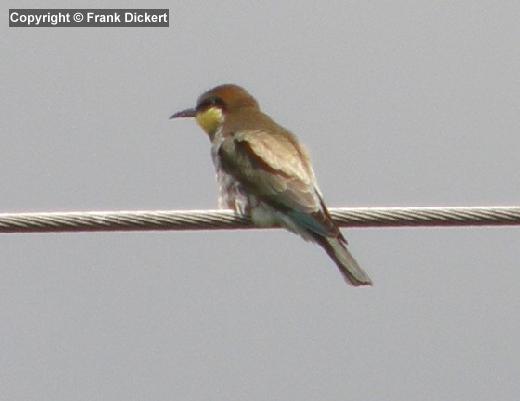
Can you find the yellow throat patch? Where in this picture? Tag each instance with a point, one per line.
(210, 119)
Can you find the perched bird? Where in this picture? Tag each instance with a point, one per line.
(263, 172)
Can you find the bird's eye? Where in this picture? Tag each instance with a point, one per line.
(216, 101)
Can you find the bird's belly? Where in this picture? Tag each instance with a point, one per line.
(264, 215)
(231, 193)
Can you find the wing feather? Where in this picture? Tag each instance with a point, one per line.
(281, 152)
(277, 169)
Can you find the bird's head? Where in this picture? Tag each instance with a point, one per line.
(213, 106)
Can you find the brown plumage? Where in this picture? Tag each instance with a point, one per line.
(265, 173)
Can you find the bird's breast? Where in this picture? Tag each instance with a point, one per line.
(232, 195)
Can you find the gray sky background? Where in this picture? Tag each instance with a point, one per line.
(401, 103)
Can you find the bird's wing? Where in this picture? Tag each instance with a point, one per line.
(277, 170)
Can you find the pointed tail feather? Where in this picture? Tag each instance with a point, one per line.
(337, 250)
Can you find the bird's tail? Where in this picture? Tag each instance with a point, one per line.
(336, 248)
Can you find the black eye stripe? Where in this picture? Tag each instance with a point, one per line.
(207, 103)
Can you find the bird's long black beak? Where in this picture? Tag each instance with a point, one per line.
(185, 113)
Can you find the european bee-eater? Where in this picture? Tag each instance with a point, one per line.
(263, 172)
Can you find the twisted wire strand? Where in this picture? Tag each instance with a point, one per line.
(227, 219)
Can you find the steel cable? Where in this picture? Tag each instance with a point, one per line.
(227, 219)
